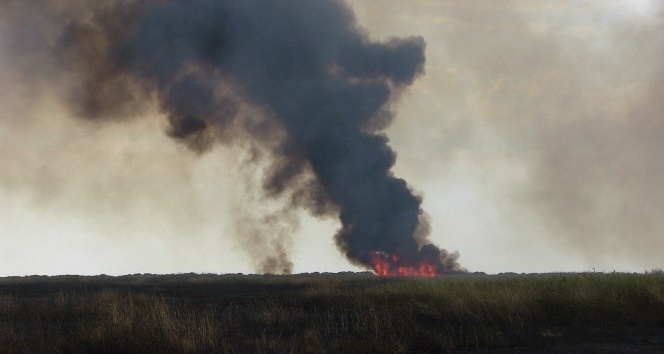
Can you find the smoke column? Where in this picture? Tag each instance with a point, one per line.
(319, 93)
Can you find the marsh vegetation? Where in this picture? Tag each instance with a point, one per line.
(331, 313)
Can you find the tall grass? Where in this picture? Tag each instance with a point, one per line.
(316, 314)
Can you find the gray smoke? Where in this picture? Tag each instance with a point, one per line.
(545, 120)
(300, 78)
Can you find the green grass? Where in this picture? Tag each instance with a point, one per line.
(348, 313)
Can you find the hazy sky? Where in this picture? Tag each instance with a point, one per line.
(536, 137)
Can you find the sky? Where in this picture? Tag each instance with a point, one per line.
(535, 136)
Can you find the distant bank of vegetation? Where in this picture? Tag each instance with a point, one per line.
(330, 313)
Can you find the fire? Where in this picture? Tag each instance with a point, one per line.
(385, 265)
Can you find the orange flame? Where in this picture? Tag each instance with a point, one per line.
(385, 265)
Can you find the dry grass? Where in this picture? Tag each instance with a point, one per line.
(315, 313)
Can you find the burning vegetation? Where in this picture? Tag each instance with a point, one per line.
(389, 265)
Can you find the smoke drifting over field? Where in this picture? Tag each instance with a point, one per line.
(549, 126)
(299, 79)
(535, 135)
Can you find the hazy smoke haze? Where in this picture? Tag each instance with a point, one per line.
(296, 82)
(533, 133)
(542, 124)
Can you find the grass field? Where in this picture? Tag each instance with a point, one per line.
(333, 313)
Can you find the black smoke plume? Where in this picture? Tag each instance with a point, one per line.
(324, 91)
